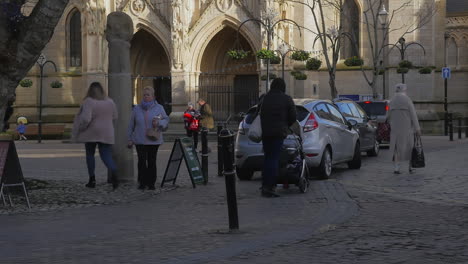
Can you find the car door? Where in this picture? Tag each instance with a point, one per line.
(327, 131)
(366, 128)
(345, 140)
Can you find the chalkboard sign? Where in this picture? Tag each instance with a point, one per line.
(10, 169)
(183, 150)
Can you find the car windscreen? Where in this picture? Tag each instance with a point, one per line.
(374, 108)
(301, 114)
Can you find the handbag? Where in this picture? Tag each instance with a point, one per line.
(255, 130)
(152, 133)
(417, 154)
(194, 125)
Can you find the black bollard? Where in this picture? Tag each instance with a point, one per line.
(227, 138)
(459, 127)
(466, 127)
(450, 126)
(204, 141)
(446, 123)
(220, 152)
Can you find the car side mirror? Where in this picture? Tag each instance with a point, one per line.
(352, 123)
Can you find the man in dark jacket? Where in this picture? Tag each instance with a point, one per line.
(277, 114)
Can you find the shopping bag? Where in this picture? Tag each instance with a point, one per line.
(255, 130)
(417, 154)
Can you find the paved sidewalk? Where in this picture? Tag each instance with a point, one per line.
(183, 225)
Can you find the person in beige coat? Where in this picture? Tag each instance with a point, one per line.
(94, 126)
(404, 126)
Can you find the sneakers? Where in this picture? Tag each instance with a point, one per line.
(269, 192)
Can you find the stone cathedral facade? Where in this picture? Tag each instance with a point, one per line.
(179, 47)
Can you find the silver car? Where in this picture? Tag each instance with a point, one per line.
(328, 139)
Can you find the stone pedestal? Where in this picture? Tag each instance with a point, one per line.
(180, 83)
(119, 32)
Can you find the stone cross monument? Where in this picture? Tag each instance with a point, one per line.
(119, 32)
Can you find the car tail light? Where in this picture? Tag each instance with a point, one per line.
(311, 123)
(387, 107)
(367, 102)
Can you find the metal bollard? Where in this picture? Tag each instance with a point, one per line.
(227, 138)
(220, 152)
(466, 127)
(459, 127)
(204, 141)
(450, 126)
(446, 123)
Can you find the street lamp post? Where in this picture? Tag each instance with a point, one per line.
(42, 62)
(446, 37)
(402, 48)
(383, 14)
(269, 24)
(283, 51)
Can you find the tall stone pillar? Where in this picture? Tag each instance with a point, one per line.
(180, 83)
(119, 32)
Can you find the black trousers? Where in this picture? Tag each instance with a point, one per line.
(191, 133)
(147, 171)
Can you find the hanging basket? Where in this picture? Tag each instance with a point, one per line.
(402, 70)
(300, 55)
(238, 54)
(26, 83)
(425, 70)
(313, 64)
(265, 54)
(56, 84)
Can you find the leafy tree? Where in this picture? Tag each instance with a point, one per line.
(22, 38)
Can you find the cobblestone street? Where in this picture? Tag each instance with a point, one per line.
(359, 216)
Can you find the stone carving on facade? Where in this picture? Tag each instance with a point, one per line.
(454, 22)
(95, 17)
(120, 4)
(224, 5)
(181, 17)
(138, 5)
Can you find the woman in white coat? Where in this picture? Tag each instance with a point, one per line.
(404, 125)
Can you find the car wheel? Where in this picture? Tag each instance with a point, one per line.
(244, 174)
(355, 163)
(325, 167)
(375, 150)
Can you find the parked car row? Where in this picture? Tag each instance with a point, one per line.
(333, 133)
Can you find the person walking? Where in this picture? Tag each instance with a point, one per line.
(191, 123)
(147, 122)
(206, 115)
(94, 126)
(277, 113)
(404, 126)
(21, 129)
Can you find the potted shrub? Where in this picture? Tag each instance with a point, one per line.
(264, 77)
(300, 55)
(26, 83)
(354, 61)
(275, 60)
(56, 84)
(313, 64)
(298, 75)
(425, 70)
(381, 72)
(405, 64)
(265, 54)
(237, 54)
(402, 70)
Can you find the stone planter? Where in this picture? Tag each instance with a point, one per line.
(6, 136)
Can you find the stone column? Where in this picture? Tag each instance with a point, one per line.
(180, 82)
(119, 32)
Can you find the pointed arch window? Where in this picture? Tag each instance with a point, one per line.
(74, 29)
(350, 21)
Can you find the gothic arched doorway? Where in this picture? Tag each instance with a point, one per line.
(150, 67)
(229, 86)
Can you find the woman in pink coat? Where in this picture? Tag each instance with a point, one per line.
(94, 126)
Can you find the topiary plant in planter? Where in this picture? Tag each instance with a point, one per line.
(265, 54)
(275, 60)
(264, 77)
(402, 70)
(354, 61)
(238, 54)
(26, 83)
(313, 64)
(405, 64)
(300, 55)
(425, 70)
(56, 84)
(298, 75)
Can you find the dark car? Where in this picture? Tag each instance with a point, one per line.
(365, 126)
(377, 111)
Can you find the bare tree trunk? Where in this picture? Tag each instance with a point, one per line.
(21, 43)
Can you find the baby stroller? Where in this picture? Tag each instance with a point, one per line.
(293, 168)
